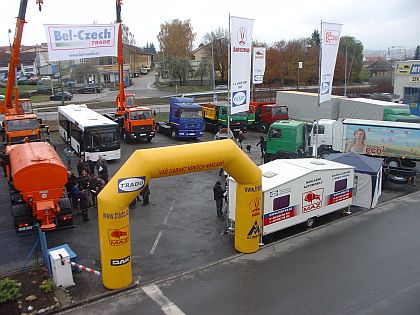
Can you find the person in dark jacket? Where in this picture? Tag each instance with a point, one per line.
(81, 166)
(218, 193)
(102, 168)
(90, 166)
(261, 143)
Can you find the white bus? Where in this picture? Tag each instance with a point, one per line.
(88, 132)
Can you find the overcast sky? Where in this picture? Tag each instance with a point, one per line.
(378, 24)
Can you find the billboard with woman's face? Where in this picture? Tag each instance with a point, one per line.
(383, 141)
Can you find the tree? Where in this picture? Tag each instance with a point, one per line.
(127, 36)
(417, 53)
(178, 69)
(218, 40)
(316, 38)
(83, 71)
(176, 39)
(354, 59)
(203, 70)
(150, 48)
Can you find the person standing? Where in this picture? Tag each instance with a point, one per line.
(68, 153)
(261, 143)
(81, 166)
(240, 138)
(102, 168)
(90, 166)
(218, 193)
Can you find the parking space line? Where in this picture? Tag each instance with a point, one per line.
(165, 222)
(152, 251)
(166, 305)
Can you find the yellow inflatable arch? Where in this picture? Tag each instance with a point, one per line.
(141, 167)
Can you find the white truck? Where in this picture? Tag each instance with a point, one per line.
(397, 143)
(303, 106)
(298, 191)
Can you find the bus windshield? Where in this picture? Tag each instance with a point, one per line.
(191, 114)
(22, 124)
(141, 115)
(101, 139)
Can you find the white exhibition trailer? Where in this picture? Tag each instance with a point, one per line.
(297, 191)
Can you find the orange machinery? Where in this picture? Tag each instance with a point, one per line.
(143, 126)
(16, 110)
(37, 177)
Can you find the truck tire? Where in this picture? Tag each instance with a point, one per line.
(264, 127)
(324, 154)
(149, 139)
(65, 218)
(310, 222)
(157, 128)
(393, 162)
(23, 218)
(173, 134)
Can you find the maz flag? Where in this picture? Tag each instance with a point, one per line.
(258, 65)
(240, 58)
(329, 48)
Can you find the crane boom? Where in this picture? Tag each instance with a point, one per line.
(121, 97)
(11, 107)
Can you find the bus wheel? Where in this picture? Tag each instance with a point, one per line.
(310, 222)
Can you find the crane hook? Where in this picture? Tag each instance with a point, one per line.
(39, 2)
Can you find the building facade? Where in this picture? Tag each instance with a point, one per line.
(407, 83)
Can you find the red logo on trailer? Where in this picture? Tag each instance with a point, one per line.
(312, 200)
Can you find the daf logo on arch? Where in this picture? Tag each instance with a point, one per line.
(126, 185)
(239, 98)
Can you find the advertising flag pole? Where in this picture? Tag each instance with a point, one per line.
(229, 77)
(319, 92)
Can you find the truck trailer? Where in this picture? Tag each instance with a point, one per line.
(298, 191)
(304, 106)
(397, 143)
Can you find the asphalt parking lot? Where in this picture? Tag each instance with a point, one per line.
(177, 231)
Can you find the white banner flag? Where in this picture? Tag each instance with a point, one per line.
(69, 42)
(330, 40)
(240, 59)
(258, 65)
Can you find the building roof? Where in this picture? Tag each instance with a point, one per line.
(380, 66)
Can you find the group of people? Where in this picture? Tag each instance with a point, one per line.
(83, 188)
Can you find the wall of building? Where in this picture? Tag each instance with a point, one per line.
(407, 83)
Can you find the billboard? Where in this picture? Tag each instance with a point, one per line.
(70, 42)
(383, 141)
(240, 59)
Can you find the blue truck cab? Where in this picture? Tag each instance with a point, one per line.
(185, 119)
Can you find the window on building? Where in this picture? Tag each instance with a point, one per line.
(107, 78)
(411, 95)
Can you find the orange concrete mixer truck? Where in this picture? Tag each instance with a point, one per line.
(37, 178)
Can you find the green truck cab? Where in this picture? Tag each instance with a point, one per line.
(285, 139)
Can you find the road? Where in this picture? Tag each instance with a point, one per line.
(364, 264)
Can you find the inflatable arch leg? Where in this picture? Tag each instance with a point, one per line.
(141, 167)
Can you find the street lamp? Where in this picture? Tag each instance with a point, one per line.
(212, 58)
(300, 64)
